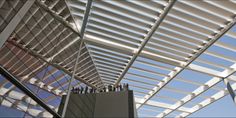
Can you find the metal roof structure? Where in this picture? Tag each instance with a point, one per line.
(178, 56)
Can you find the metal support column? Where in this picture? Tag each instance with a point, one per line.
(27, 91)
(70, 82)
(85, 19)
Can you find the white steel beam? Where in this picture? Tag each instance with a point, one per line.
(65, 47)
(5, 34)
(208, 101)
(36, 55)
(225, 74)
(56, 16)
(231, 34)
(46, 87)
(146, 39)
(19, 105)
(178, 70)
(149, 55)
(128, 50)
(66, 24)
(161, 105)
(16, 95)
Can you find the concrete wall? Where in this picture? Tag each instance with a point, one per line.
(107, 104)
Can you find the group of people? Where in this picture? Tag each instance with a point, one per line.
(83, 90)
(109, 88)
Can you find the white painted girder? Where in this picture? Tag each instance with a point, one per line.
(208, 101)
(161, 105)
(5, 34)
(128, 50)
(173, 74)
(146, 39)
(20, 96)
(15, 99)
(68, 25)
(146, 54)
(36, 55)
(231, 34)
(46, 87)
(225, 74)
(16, 95)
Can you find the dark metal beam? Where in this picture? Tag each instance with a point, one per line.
(27, 91)
(230, 89)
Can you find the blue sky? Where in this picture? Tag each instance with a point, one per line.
(222, 108)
